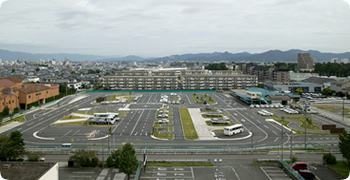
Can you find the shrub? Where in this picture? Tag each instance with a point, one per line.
(294, 159)
(94, 161)
(16, 110)
(109, 162)
(329, 158)
(86, 162)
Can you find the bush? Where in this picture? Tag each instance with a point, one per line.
(294, 159)
(109, 162)
(86, 162)
(16, 110)
(329, 158)
(94, 161)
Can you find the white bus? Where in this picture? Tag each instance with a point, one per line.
(232, 130)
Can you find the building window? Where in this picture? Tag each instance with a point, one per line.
(47, 92)
(9, 102)
(51, 91)
(13, 101)
(29, 96)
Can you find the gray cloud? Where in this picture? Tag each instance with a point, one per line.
(158, 28)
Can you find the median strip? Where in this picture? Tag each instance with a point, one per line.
(187, 125)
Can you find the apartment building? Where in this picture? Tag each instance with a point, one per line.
(266, 73)
(305, 62)
(178, 79)
(14, 94)
(340, 60)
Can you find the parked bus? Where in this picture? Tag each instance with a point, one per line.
(136, 98)
(232, 130)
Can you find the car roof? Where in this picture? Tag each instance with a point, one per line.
(300, 162)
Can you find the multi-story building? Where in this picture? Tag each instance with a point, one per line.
(339, 61)
(175, 79)
(266, 73)
(305, 62)
(14, 94)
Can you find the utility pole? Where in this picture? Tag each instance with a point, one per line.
(343, 107)
(291, 146)
(109, 149)
(305, 109)
(38, 96)
(282, 136)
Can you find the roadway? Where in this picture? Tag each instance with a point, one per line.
(136, 126)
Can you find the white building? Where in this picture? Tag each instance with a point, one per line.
(341, 60)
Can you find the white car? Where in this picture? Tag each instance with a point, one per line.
(115, 102)
(252, 106)
(104, 103)
(257, 106)
(163, 121)
(163, 116)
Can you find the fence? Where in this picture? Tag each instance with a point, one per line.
(138, 171)
(290, 170)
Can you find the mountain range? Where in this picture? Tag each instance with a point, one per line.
(268, 56)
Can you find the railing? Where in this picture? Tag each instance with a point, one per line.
(290, 171)
(138, 171)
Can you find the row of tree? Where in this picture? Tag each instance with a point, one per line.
(124, 159)
(332, 69)
(216, 66)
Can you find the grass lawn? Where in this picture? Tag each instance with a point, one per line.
(187, 124)
(72, 117)
(163, 136)
(209, 99)
(178, 164)
(218, 130)
(70, 123)
(209, 124)
(341, 167)
(17, 119)
(302, 120)
(285, 122)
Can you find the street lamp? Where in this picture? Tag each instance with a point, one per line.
(282, 136)
(305, 111)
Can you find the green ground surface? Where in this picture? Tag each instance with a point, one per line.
(341, 167)
(218, 130)
(309, 125)
(187, 124)
(209, 124)
(199, 98)
(72, 117)
(17, 119)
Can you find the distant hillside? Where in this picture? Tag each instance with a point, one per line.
(269, 56)
(6, 55)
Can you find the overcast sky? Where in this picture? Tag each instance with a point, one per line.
(153, 28)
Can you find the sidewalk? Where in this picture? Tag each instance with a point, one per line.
(203, 131)
(9, 126)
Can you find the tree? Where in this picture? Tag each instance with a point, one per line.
(6, 111)
(128, 160)
(329, 158)
(299, 91)
(116, 157)
(344, 145)
(35, 155)
(109, 161)
(15, 145)
(83, 157)
(4, 144)
(326, 91)
(16, 110)
(94, 161)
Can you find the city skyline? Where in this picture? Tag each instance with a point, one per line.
(155, 29)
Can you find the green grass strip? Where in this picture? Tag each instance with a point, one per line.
(187, 124)
(341, 167)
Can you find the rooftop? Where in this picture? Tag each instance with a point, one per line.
(24, 170)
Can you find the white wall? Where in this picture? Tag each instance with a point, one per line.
(52, 174)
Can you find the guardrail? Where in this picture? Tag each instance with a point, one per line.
(290, 171)
(138, 171)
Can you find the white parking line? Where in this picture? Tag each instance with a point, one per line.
(235, 173)
(192, 172)
(275, 140)
(137, 122)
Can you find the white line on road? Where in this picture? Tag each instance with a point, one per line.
(188, 99)
(66, 133)
(274, 132)
(137, 122)
(275, 140)
(235, 173)
(149, 98)
(192, 172)
(266, 127)
(83, 172)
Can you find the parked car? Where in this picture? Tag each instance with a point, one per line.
(104, 103)
(163, 121)
(163, 116)
(306, 174)
(115, 102)
(299, 166)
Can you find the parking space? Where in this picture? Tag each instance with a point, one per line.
(275, 173)
(168, 173)
(322, 172)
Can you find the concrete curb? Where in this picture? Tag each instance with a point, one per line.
(272, 120)
(95, 139)
(161, 139)
(236, 139)
(42, 138)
